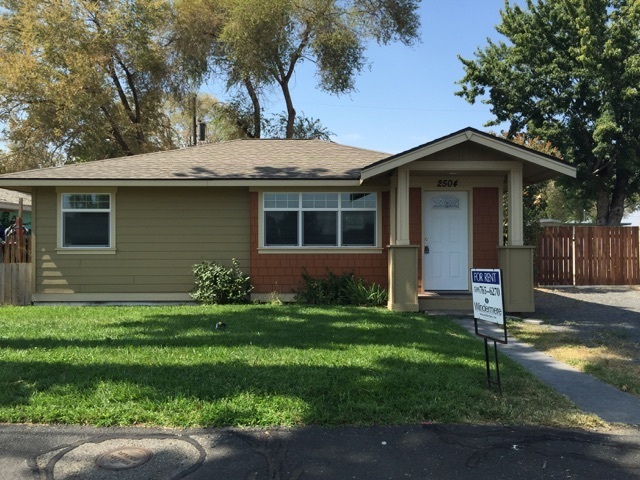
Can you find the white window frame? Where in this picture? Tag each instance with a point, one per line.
(111, 248)
(339, 210)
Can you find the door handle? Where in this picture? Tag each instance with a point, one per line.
(426, 249)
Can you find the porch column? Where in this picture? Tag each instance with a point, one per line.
(516, 260)
(402, 208)
(403, 278)
(516, 219)
(403, 257)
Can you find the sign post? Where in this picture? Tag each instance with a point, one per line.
(488, 307)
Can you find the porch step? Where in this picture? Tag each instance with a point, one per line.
(447, 302)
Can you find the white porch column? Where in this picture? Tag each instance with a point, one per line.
(516, 228)
(402, 208)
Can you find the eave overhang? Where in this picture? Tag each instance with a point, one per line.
(537, 167)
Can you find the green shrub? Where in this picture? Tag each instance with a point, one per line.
(369, 295)
(220, 285)
(344, 289)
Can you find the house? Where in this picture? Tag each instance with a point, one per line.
(10, 207)
(129, 229)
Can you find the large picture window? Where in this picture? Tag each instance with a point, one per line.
(86, 220)
(320, 219)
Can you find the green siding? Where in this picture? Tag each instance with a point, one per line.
(160, 234)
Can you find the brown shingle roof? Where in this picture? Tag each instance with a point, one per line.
(236, 159)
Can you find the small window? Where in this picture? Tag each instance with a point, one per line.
(86, 220)
(320, 219)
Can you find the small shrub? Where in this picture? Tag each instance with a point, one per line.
(372, 295)
(344, 289)
(216, 284)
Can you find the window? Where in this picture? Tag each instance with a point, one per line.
(86, 220)
(320, 219)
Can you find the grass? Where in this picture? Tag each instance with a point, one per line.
(274, 365)
(610, 356)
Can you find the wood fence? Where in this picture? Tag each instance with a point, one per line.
(578, 255)
(15, 270)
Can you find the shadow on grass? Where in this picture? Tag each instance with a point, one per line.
(257, 326)
(271, 366)
(238, 393)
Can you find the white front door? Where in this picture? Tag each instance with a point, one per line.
(445, 245)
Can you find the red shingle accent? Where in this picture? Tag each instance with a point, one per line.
(486, 205)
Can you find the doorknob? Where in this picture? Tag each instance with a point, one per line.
(426, 249)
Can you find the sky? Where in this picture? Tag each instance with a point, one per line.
(406, 96)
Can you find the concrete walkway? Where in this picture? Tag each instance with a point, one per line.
(586, 391)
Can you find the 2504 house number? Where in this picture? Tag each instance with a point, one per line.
(448, 183)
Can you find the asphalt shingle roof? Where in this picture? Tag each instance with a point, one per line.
(13, 198)
(236, 159)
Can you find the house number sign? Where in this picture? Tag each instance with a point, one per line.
(446, 183)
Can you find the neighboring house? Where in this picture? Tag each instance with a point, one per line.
(129, 229)
(10, 205)
(632, 219)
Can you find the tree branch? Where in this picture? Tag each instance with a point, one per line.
(115, 131)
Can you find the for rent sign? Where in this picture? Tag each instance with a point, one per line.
(487, 295)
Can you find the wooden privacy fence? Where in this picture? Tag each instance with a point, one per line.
(15, 270)
(578, 255)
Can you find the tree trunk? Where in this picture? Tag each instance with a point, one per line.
(291, 112)
(610, 205)
(255, 101)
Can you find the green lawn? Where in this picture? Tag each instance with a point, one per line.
(274, 365)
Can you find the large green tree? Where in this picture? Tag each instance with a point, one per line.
(83, 79)
(569, 71)
(257, 44)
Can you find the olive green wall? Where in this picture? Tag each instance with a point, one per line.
(160, 234)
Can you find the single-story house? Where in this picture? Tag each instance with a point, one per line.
(130, 229)
(10, 205)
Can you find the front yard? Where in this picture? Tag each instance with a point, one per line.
(273, 365)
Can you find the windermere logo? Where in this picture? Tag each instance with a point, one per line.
(487, 309)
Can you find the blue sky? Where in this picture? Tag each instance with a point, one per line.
(406, 98)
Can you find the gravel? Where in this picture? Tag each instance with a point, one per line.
(591, 313)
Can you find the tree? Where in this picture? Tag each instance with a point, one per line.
(545, 199)
(83, 79)
(257, 44)
(218, 117)
(569, 72)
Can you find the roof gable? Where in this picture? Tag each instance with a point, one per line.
(540, 165)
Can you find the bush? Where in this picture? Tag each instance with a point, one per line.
(372, 295)
(216, 284)
(344, 289)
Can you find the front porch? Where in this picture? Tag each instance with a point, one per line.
(446, 216)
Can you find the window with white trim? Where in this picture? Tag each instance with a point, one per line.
(320, 219)
(86, 220)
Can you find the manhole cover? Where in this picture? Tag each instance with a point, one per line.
(123, 458)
